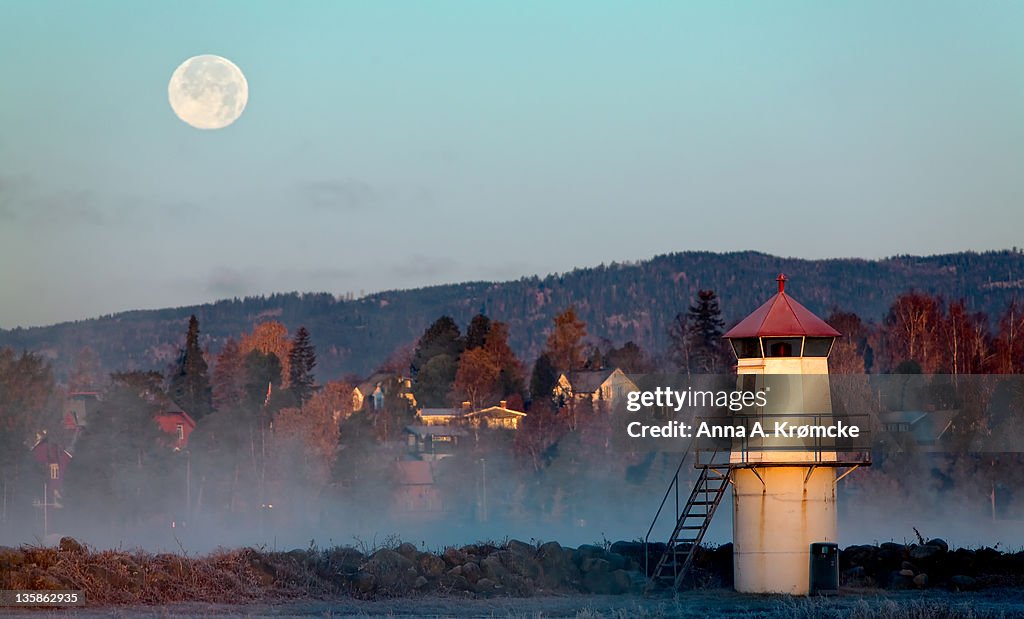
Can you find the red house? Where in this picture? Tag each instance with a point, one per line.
(178, 424)
(55, 458)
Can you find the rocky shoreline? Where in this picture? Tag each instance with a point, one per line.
(511, 568)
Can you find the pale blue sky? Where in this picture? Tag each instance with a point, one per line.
(392, 145)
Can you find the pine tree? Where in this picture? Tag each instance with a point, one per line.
(477, 331)
(301, 361)
(705, 334)
(435, 361)
(229, 377)
(543, 381)
(190, 385)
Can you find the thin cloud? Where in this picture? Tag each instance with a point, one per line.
(338, 194)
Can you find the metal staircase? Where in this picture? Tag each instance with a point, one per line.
(691, 523)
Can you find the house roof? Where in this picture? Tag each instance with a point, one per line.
(440, 412)
(369, 385)
(588, 381)
(781, 316)
(422, 431)
(498, 411)
(907, 417)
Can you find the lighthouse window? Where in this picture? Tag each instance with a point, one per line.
(782, 346)
(746, 347)
(817, 346)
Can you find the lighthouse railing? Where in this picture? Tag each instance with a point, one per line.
(672, 487)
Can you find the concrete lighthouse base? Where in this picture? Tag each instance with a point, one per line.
(775, 523)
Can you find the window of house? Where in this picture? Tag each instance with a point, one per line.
(181, 431)
(746, 347)
(54, 471)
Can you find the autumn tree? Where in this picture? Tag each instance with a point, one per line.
(477, 377)
(301, 361)
(565, 343)
(911, 330)
(87, 372)
(229, 376)
(305, 439)
(1008, 345)
(707, 353)
(510, 368)
(851, 349)
(963, 340)
(28, 401)
(190, 385)
(629, 358)
(269, 338)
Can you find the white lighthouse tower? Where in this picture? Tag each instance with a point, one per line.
(784, 489)
(784, 486)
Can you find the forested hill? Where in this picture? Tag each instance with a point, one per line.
(620, 302)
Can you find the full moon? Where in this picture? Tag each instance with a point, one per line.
(208, 92)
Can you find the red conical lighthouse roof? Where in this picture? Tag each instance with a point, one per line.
(781, 316)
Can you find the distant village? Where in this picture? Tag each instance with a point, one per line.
(451, 426)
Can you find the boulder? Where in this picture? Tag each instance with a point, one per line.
(622, 582)
(430, 565)
(556, 566)
(363, 583)
(493, 568)
(486, 585)
(407, 550)
(921, 581)
(456, 583)
(900, 579)
(420, 582)
(923, 553)
(517, 547)
(587, 551)
(471, 571)
(939, 543)
(597, 582)
(345, 560)
(858, 555)
(963, 582)
(615, 561)
(390, 568)
(453, 556)
(70, 544)
(591, 564)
